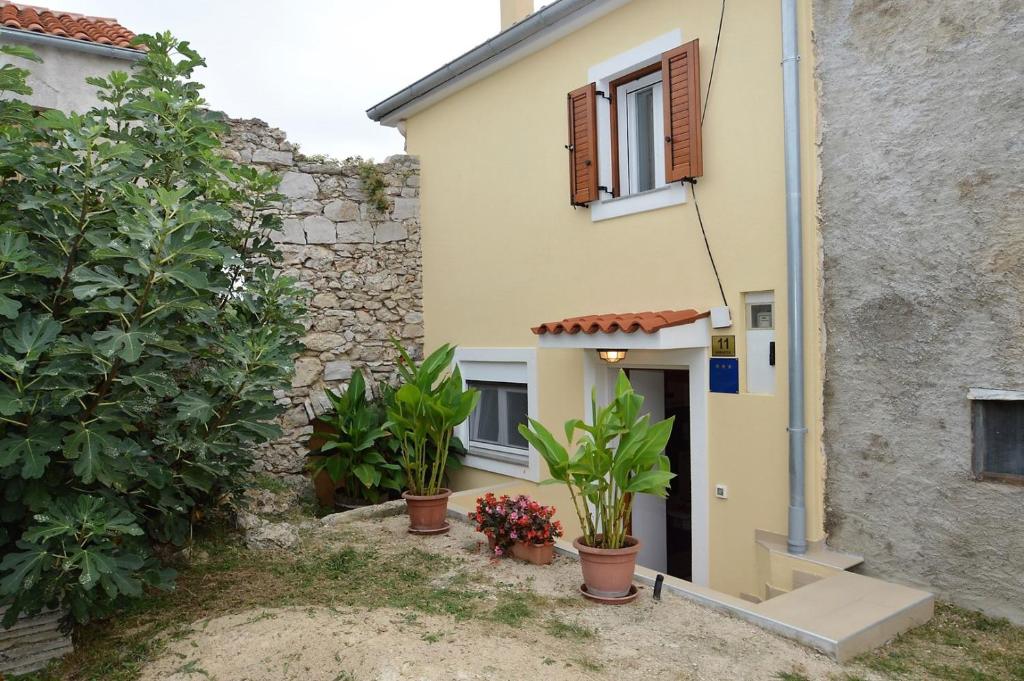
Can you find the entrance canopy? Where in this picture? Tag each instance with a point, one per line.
(665, 330)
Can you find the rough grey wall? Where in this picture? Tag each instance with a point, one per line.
(59, 81)
(362, 266)
(922, 206)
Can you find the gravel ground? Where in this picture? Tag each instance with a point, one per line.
(557, 637)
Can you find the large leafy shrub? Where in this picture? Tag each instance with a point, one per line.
(423, 415)
(142, 331)
(618, 455)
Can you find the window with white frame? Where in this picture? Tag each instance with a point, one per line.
(639, 131)
(494, 424)
(639, 114)
(506, 379)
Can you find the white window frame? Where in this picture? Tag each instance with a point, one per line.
(500, 365)
(627, 133)
(662, 196)
(500, 447)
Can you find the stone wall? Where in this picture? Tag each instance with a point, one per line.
(922, 207)
(362, 266)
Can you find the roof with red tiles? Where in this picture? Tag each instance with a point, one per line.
(65, 25)
(629, 322)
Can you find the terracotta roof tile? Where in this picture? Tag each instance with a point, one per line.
(65, 25)
(629, 322)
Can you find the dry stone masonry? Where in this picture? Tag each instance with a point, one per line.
(362, 267)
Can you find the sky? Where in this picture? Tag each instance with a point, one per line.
(311, 67)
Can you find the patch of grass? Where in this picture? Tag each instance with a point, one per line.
(560, 629)
(513, 608)
(269, 483)
(790, 676)
(957, 645)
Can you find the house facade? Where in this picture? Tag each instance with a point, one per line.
(922, 221)
(575, 208)
(72, 47)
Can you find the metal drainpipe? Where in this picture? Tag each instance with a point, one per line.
(797, 540)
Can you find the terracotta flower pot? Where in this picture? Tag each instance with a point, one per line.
(492, 541)
(608, 573)
(428, 514)
(538, 554)
(322, 483)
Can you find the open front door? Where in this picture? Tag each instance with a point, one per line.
(649, 519)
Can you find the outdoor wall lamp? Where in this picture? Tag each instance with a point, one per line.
(612, 356)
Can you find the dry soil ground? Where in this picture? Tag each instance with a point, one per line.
(481, 619)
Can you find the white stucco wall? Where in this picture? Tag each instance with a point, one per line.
(59, 81)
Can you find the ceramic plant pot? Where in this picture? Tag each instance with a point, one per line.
(538, 554)
(428, 514)
(608, 573)
(323, 486)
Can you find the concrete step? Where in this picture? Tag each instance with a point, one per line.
(851, 613)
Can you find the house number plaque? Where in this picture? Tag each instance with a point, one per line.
(723, 346)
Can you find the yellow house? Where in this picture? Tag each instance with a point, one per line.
(604, 187)
(523, 227)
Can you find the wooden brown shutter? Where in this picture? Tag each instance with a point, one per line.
(583, 145)
(681, 75)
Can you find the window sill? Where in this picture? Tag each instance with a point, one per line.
(655, 199)
(499, 461)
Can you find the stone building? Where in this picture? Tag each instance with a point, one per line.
(362, 265)
(922, 225)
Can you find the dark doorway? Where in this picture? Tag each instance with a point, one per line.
(678, 505)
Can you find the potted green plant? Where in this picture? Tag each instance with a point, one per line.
(617, 456)
(352, 450)
(422, 417)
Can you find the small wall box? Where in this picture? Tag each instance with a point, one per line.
(721, 491)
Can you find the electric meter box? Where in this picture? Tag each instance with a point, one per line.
(760, 360)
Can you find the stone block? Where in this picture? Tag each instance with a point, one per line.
(307, 371)
(291, 233)
(319, 230)
(298, 186)
(390, 231)
(338, 371)
(405, 209)
(342, 210)
(272, 157)
(323, 342)
(325, 300)
(355, 233)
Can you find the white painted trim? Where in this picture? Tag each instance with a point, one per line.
(638, 57)
(502, 365)
(600, 376)
(995, 394)
(694, 335)
(535, 43)
(661, 197)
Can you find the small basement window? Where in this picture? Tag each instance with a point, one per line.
(494, 424)
(998, 425)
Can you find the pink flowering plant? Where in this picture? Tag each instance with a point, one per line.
(491, 516)
(530, 522)
(506, 520)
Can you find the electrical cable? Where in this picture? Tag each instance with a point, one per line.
(693, 182)
(714, 60)
(693, 192)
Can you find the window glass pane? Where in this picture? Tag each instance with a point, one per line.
(645, 139)
(516, 414)
(761, 316)
(1002, 439)
(484, 423)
